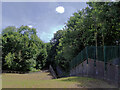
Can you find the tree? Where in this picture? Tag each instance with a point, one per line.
(21, 49)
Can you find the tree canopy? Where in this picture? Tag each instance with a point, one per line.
(22, 49)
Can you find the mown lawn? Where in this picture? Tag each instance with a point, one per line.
(44, 80)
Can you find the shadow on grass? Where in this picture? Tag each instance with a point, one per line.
(86, 82)
(78, 79)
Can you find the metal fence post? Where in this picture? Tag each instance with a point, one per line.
(104, 57)
(87, 54)
(95, 57)
(118, 51)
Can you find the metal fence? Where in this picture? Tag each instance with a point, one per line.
(100, 53)
(0, 55)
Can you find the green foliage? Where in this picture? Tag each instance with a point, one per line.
(41, 59)
(9, 59)
(21, 49)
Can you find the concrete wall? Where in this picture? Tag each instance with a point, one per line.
(52, 72)
(112, 74)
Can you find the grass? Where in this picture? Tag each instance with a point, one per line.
(86, 82)
(44, 80)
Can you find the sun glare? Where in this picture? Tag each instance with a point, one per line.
(60, 9)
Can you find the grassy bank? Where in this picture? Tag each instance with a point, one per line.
(44, 80)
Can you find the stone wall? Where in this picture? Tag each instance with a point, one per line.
(112, 74)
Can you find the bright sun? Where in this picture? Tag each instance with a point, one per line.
(60, 9)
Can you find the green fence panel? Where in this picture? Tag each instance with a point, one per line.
(100, 53)
(91, 52)
(106, 54)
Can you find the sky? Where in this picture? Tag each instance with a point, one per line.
(40, 15)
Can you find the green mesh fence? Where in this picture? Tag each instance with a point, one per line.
(100, 53)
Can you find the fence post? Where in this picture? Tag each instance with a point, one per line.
(118, 51)
(119, 67)
(95, 57)
(70, 66)
(87, 55)
(104, 57)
